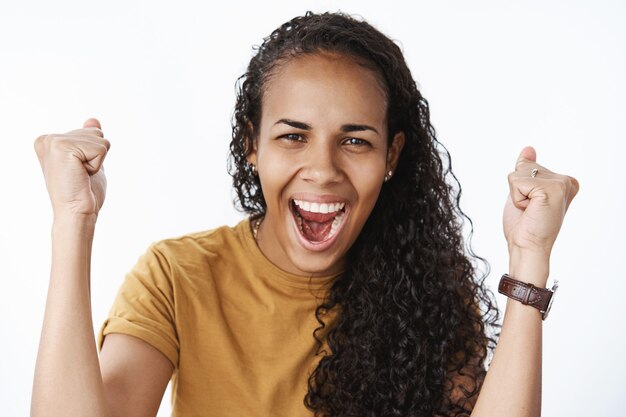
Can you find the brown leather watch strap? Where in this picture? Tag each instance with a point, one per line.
(526, 293)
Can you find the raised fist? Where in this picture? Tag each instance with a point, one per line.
(73, 170)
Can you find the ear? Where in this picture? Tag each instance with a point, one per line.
(251, 145)
(393, 153)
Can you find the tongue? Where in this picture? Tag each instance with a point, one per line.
(316, 226)
(315, 231)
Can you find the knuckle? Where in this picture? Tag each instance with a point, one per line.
(38, 142)
(574, 186)
(563, 185)
(42, 143)
(511, 176)
(94, 131)
(42, 139)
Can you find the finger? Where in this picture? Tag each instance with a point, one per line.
(573, 190)
(528, 154)
(83, 134)
(99, 140)
(522, 190)
(92, 122)
(39, 146)
(92, 156)
(519, 193)
(90, 152)
(69, 139)
(93, 126)
(575, 185)
(525, 170)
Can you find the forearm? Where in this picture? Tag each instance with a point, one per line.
(512, 386)
(67, 379)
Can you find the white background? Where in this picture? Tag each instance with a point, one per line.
(160, 77)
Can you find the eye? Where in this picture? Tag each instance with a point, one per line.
(356, 142)
(292, 137)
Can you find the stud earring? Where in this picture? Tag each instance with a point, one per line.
(388, 175)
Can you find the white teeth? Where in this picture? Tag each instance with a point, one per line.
(299, 220)
(319, 207)
(335, 225)
(333, 208)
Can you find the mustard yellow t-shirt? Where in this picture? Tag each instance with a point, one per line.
(238, 329)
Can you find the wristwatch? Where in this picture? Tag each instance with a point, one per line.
(528, 294)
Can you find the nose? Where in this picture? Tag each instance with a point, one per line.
(322, 164)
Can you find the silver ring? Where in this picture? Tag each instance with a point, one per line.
(533, 172)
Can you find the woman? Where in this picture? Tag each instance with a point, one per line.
(346, 293)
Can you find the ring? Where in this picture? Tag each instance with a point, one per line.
(533, 172)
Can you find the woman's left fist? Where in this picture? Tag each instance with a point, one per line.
(537, 203)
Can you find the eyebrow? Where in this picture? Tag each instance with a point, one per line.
(344, 128)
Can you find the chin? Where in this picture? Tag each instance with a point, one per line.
(318, 264)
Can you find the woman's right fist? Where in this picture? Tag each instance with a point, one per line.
(73, 170)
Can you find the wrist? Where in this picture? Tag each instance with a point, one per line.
(77, 225)
(527, 294)
(530, 267)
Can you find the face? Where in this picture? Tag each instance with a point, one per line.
(321, 153)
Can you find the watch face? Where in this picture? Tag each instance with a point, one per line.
(553, 290)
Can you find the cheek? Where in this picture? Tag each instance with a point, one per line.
(367, 181)
(274, 173)
(272, 158)
(370, 192)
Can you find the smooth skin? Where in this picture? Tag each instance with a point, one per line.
(130, 376)
(323, 133)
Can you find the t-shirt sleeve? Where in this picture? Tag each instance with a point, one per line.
(144, 305)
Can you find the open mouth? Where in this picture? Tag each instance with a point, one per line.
(318, 222)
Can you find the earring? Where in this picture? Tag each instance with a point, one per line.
(253, 169)
(388, 175)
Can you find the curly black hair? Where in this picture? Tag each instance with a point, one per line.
(409, 325)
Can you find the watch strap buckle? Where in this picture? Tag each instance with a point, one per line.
(528, 294)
